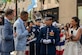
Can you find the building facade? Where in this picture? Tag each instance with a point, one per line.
(21, 5)
(79, 10)
(48, 7)
(63, 10)
(69, 9)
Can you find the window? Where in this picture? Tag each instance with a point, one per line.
(56, 1)
(79, 8)
(79, 1)
(23, 0)
(43, 1)
(0, 5)
(18, 0)
(40, 0)
(18, 11)
(49, 1)
(80, 14)
(22, 9)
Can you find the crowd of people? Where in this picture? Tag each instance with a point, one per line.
(43, 36)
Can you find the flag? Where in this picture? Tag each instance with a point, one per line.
(31, 6)
(35, 4)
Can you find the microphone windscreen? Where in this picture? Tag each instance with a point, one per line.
(15, 29)
(71, 32)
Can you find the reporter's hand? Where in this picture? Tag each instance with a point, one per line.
(29, 38)
(15, 34)
(71, 35)
(29, 29)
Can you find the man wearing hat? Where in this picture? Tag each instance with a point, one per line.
(34, 46)
(48, 38)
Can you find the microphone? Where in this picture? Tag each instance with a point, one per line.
(15, 29)
(71, 32)
(72, 36)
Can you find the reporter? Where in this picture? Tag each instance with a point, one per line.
(73, 46)
(7, 40)
(22, 32)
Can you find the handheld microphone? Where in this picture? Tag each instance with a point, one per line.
(71, 32)
(72, 36)
(15, 29)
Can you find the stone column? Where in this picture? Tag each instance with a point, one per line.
(67, 9)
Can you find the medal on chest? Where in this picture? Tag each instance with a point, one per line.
(51, 33)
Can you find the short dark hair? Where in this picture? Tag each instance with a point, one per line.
(23, 13)
(9, 12)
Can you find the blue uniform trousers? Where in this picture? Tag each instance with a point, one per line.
(37, 48)
(32, 48)
(5, 53)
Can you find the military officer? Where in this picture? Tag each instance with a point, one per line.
(34, 46)
(48, 38)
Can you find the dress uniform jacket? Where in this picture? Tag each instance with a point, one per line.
(51, 47)
(36, 30)
(35, 49)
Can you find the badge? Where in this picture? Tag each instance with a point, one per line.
(33, 30)
(51, 33)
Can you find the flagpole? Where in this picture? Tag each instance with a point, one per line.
(16, 9)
